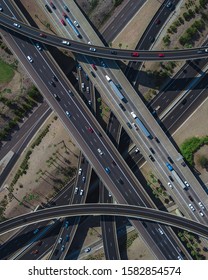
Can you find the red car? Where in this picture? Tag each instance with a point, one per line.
(94, 66)
(35, 252)
(52, 5)
(64, 15)
(63, 22)
(43, 35)
(135, 54)
(161, 55)
(90, 129)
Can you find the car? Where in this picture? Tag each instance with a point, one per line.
(36, 231)
(64, 15)
(92, 49)
(89, 102)
(136, 54)
(190, 197)
(66, 224)
(183, 102)
(83, 86)
(81, 192)
(137, 150)
(30, 59)
(42, 35)
(206, 50)
(160, 231)
(170, 185)
(76, 190)
(191, 207)
(133, 115)
(186, 183)
(151, 149)
(1, 9)
(76, 23)
(38, 46)
(114, 163)
(55, 78)
(201, 213)
(87, 250)
(129, 125)
(17, 25)
(68, 114)
(89, 43)
(67, 238)
(62, 248)
(201, 205)
(35, 252)
(170, 159)
(121, 181)
(122, 107)
(114, 52)
(57, 97)
(103, 63)
(183, 163)
(152, 39)
(80, 171)
(93, 74)
(60, 239)
(109, 194)
(171, 178)
(158, 21)
(52, 83)
(79, 67)
(87, 78)
(90, 129)
(156, 139)
(48, 8)
(52, 5)
(107, 169)
(169, 5)
(180, 258)
(161, 55)
(63, 22)
(66, 43)
(152, 158)
(100, 152)
(40, 243)
(200, 51)
(83, 179)
(94, 66)
(66, 8)
(134, 126)
(87, 89)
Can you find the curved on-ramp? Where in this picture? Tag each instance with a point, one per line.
(136, 212)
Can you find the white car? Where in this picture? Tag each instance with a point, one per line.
(100, 152)
(81, 192)
(201, 205)
(92, 49)
(160, 231)
(170, 185)
(30, 59)
(186, 183)
(38, 47)
(137, 150)
(201, 213)
(76, 23)
(109, 194)
(180, 258)
(17, 25)
(1, 9)
(80, 171)
(68, 114)
(206, 50)
(65, 42)
(60, 240)
(191, 207)
(133, 115)
(89, 43)
(76, 190)
(87, 250)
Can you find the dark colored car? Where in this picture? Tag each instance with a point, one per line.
(48, 8)
(122, 107)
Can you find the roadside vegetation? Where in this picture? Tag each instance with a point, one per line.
(6, 72)
(190, 146)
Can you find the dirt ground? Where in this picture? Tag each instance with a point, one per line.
(39, 178)
(195, 125)
(133, 31)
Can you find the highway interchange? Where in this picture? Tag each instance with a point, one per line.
(85, 120)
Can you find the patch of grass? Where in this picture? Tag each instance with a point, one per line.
(6, 72)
